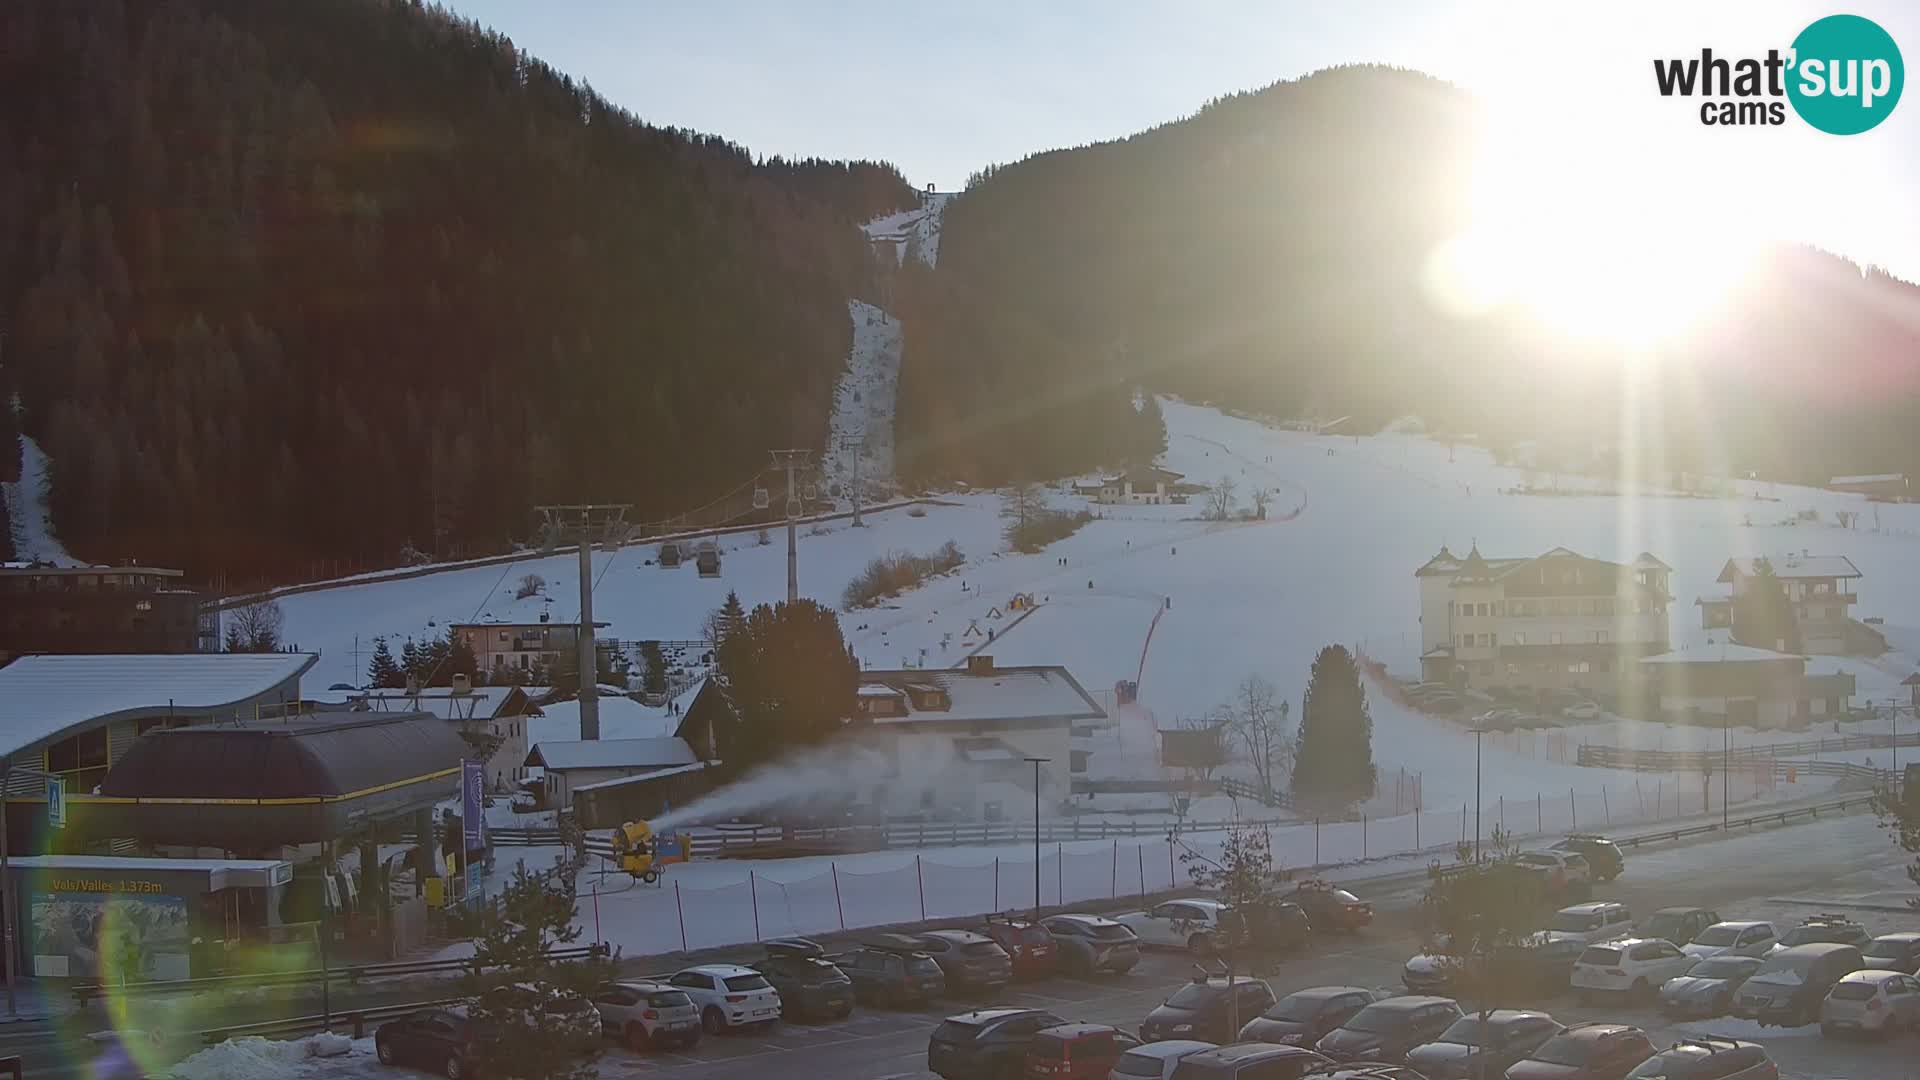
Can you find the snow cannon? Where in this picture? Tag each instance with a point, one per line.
(643, 855)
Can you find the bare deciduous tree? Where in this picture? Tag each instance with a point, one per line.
(1220, 499)
(1258, 720)
(1261, 497)
(529, 585)
(255, 627)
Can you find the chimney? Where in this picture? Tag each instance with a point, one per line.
(979, 664)
(462, 684)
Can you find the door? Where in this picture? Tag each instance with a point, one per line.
(1754, 941)
(1903, 997)
(1166, 925)
(1668, 962)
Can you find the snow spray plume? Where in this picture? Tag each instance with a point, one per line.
(835, 769)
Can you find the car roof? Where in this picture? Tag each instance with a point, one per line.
(1081, 916)
(1171, 1048)
(1252, 1051)
(1681, 910)
(989, 1015)
(1216, 905)
(1899, 935)
(893, 943)
(1742, 924)
(1313, 992)
(1409, 1002)
(963, 937)
(1511, 1016)
(1591, 907)
(1816, 948)
(1598, 1029)
(644, 984)
(1623, 942)
(720, 969)
(1077, 1029)
(1870, 975)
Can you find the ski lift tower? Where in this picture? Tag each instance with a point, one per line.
(791, 460)
(585, 525)
(856, 444)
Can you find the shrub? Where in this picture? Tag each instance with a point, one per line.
(1044, 527)
(892, 573)
(916, 510)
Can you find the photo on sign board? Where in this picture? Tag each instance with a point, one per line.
(103, 935)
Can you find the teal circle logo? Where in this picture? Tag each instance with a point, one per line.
(1846, 75)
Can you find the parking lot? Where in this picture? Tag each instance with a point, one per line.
(1760, 876)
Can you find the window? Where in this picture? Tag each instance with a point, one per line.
(1599, 637)
(1520, 637)
(1499, 608)
(1486, 609)
(1589, 607)
(1486, 641)
(1553, 638)
(503, 637)
(1606, 605)
(1513, 670)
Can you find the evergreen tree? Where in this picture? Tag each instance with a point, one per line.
(516, 937)
(1333, 764)
(791, 678)
(1763, 614)
(410, 662)
(731, 616)
(1484, 918)
(457, 659)
(382, 672)
(654, 677)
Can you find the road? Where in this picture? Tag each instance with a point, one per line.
(1769, 874)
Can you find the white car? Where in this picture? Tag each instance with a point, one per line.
(1584, 710)
(1732, 939)
(1636, 966)
(1602, 920)
(1564, 871)
(1871, 1003)
(1180, 924)
(647, 1014)
(1156, 1060)
(728, 996)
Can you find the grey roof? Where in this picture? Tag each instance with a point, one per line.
(1795, 566)
(480, 703)
(1722, 653)
(1004, 695)
(612, 754)
(42, 696)
(327, 755)
(641, 778)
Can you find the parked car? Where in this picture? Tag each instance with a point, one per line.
(1708, 987)
(1469, 1049)
(1602, 854)
(1818, 929)
(573, 1015)
(1208, 1008)
(1076, 1051)
(1792, 982)
(728, 996)
(1431, 970)
(1363, 1071)
(1635, 966)
(439, 1039)
(1091, 943)
(1709, 1057)
(1330, 908)
(987, 1043)
(1894, 952)
(1178, 924)
(1601, 920)
(1304, 1016)
(808, 985)
(1679, 925)
(1027, 943)
(1869, 1002)
(970, 961)
(1732, 939)
(890, 978)
(1250, 1061)
(1581, 710)
(1385, 1030)
(1595, 1051)
(1501, 719)
(645, 1014)
(1565, 873)
(1155, 1060)
(1545, 965)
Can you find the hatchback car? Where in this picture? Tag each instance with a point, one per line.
(443, 1040)
(1250, 1061)
(1385, 1030)
(1330, 908)
(1026, 942)
(808, 985)
(540, 1004)
(1732, 939)
(1304, 1016)
(971, 962)
(728, 996)
(1603, 855)
(1089, 944)
(1177, 924)
(1708, 987)
(1601, 920)
(1470, 1048)
(1636, 966)
(890, 978)
(1894, 952)
(1820, 929)
(1076, 1051)
(1362, 1071)
(1679, 925)
(1586, 1052)
(1565, 873)
(1208, 1008)
(1878, 1003)
(1155, 1060)
(645, 1014)
(1709, 1058)
(985, 1043)
(1791, 984)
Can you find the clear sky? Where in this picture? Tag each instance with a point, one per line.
(942, 90)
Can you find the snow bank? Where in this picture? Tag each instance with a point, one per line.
(320, 1057)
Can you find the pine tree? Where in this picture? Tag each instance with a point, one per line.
(459, 660)
(731, 615)
(1762, 613)
(1333, 764)
(791, 679)
(410, 661)
(382, 672)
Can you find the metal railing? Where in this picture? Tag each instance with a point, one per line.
(355, 1019)
(1617, 757)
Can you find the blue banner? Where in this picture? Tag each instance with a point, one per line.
(473, 782)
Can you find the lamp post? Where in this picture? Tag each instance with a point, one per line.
(1477, 733)
(1726, 764)
(1037, 762)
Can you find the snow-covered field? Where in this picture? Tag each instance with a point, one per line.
(915, 233)
(860, 436)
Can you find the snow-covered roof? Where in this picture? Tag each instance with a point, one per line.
(621, 717)
(875, 690)
(42, 696)
(654, 774)
(221, 873)
(1720, 653)
(1870, 478)
(1001, 694)
(1794, 566)
(480, 703)
(611, 754)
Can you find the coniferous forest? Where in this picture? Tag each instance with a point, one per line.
(285, 281)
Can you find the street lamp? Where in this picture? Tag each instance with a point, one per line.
(1477, 733)
(1726, 763)
(1037, 762)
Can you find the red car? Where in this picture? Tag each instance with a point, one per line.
(1076, 1052)
(1034, 954)
(1329, 908)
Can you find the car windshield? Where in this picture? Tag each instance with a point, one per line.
(1193, 996)
(1600, 954)
(922, 965)
(957, 1031)
(1575, 923)
(982, 948)
(1465, 1031)
(746, 982)
(1375, 1021)
(1034, 935)
(1784, 970)
(1295, 1008)
(1718, 935)
(1132, 1064)
(668, 999)
(1896, 949)
(1723, 967)
(1663, 926)
(1109, 932)
(1673, 1065)
(1809, 935)
(1566, 1050)
(1537, 860)
(1853, 991)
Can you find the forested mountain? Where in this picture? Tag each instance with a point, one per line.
(1270, 253)
(285, 281)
